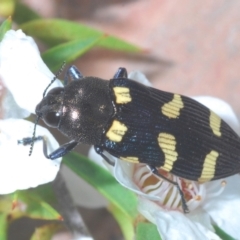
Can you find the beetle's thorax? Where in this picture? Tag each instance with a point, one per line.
(87, 108)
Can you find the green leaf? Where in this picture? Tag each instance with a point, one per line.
(147, 231)
(23, 13)
(47, 231)
(104, 182)
(5, 26)
(33, 203)
(115, 43)
(3, 226)
(45, 192)
(38, 203)
(68, 52)
(223, 235)
(56, 31)
(6, 204)
(124, 221)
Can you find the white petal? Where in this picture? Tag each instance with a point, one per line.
(22, 69)
(123, 172)
(226, 215)
(17, 169)
(200, 216)
(147, 208)
(139, 77)
(232, 186)
(222, 109)
(173, 224)
(10, 108)
(224, 209)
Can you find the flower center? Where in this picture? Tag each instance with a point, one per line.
(194, 193)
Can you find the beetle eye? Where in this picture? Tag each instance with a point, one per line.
(52, 119)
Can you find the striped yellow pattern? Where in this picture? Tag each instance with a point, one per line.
(167, 143)
(122, 95)
(215, 123)
(130, 159)
(209, 165)
(116, 131)
(172, 108)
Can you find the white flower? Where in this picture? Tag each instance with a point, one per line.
(22, 70)
(25, 77)
(215, 202)
(18, 170)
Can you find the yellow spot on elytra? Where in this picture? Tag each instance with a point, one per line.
(130, 159)
(167, 143)
(116, 131)
(209, 166)
(215, 123)
(122, 95)
(172, 108)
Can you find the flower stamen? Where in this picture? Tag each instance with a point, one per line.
(198, 198)
(168, 195)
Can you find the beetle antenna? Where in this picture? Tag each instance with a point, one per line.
(38, 117)
(55, 77)
(33, 136)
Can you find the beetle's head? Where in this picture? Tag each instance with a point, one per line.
(51, 107)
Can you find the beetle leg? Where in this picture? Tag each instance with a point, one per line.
(100, 152)
(72, 74)
(184, 204)
(59, 152)
(121, 73)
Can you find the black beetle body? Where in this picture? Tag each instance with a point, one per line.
(137, 123)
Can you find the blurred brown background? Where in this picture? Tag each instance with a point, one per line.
(190, 47)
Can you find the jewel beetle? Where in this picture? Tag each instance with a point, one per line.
(141, 124)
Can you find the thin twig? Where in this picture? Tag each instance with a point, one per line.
(69, 212)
